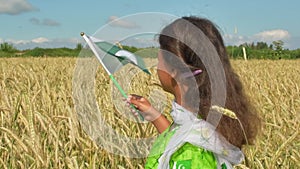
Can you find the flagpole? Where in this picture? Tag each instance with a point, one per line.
(95, 52)
(108, 72)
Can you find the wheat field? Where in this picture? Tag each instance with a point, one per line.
(39, 126)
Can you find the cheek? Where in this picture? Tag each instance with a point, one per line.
(160, 66)
(165, 80)
(160, 75)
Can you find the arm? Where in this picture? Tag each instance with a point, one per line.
(160, 122)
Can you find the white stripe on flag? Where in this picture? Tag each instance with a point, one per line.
(130, 56)
(95, 40)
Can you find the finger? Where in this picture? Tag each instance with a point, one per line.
(125, 100)
(137, 97)
(129, 97)
(136, 103)
(132, 111)
(135, 112)
(142, 99)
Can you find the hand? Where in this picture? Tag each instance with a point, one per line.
(144, 106)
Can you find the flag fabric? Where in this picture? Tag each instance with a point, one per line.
(123, 56)
(112, 58)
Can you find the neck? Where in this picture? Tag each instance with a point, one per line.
(177, 95)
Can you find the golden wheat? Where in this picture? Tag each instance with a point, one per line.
(40, 128)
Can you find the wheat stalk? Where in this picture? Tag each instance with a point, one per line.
(50, 124)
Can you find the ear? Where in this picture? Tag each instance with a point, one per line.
(174, 74)
(176, 78)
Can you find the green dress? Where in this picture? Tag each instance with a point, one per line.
(192, 143)
(187, 156)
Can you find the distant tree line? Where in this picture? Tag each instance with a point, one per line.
(6, 47)
(8, 50)
(259, 50)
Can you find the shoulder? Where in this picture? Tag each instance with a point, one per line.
(193, 157)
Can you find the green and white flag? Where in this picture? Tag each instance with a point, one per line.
(112, 58)
(116, 57)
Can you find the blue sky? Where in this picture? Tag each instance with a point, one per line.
(58, 23)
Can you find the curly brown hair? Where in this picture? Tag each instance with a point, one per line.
(173, 40)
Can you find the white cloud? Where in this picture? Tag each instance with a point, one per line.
(45, 22)
(265, 36)
(15, 42)
(272, 35)
(50, 22)
(40, 40)
(118, 22)
(140, 42)
(235, 39)
(15, 7)
(43, 42)
(35, 21)
(19, 41)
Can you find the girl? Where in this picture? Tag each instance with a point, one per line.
(184, 69)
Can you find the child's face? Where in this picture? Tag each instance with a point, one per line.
(164, 75)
